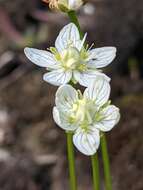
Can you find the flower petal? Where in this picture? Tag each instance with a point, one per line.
(41, 58)
(66, 95)
(86, 78)
(98, 91)
(68, 36)
(111, 118)
(101, 57)
(57, 77)
(87, 142)
(61, 119)
(74, 4)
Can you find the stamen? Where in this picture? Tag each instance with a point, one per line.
(91, 46)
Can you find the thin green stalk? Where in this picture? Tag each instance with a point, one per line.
(95, 171)
(94, 158)
(73, 18)
(106, 163)
(71, 160)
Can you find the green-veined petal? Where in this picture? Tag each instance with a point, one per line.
(87, 142)
(110, 116)
(88, 77)
(66, 95)
(68, 37)
(61, 119)
(101, 57)
(41, 58)
(98, 91)
(57, 77)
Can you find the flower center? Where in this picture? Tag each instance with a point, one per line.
(82, 112)
(71, 59)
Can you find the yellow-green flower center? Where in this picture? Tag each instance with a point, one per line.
(85, 112)
(72, 59)
(82, 112)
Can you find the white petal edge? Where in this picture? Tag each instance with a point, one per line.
(111, 118)
(57, 77)
(101, 57)
(98, 91)
(66, 95)
(74, 4)
(86, 78)
(68, 35)
(60, 119)
(87, 142)
(41, 58)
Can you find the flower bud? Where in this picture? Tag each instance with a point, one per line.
(64, 5)
(69, 5)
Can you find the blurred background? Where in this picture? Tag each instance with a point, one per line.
(32, 147)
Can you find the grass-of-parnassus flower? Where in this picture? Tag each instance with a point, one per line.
(86, 114)
(70, 59)
(64, 5)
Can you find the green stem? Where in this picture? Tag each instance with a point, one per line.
(106, 163)
(95, 171)
(71, 159)
(94, 158)
(73, 18)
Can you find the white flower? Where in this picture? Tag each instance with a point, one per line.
(86, 115)
(70, 60)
